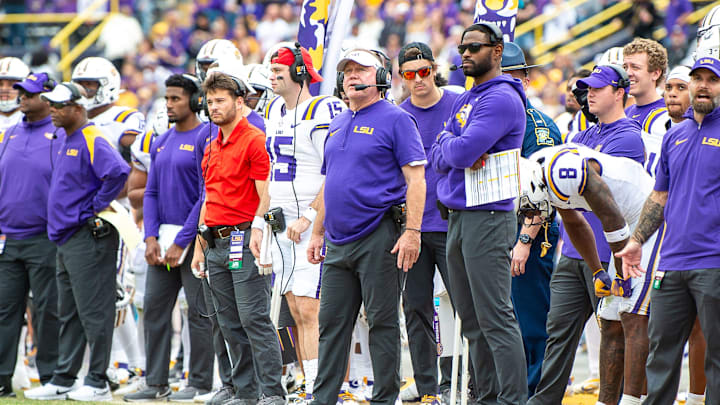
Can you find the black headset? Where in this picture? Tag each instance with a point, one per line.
(298, 70)
(74, 90)
(197, 97)
(495, 36)
(383, 75)
(624, 79)
(240, 89)
(49, 84)
(339, 83)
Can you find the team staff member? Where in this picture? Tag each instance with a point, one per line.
(174, 173)
(532, 257)
(685, 286)
(296, 125)
(480, 238)
(572, 294)
(235, 169)
(356, 217)
(431, 107)
(646, 62)
(27, 257)
(88, 174)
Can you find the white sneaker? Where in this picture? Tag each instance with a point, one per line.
(201, 399)
(48, 392)
(409, 392)
(89, 393)
(135, 384)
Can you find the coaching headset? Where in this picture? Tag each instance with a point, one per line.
(624, 79)
(197, 98)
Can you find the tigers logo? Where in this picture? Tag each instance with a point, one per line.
(502, 13)
(463, 115)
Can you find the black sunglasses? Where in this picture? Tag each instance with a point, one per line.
(59, 106)
(473, 47)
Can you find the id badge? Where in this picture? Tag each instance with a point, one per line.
(657, 281)
(2, 243)
(236, 250)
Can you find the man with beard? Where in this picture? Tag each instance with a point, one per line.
(685, 199)
(488, 118)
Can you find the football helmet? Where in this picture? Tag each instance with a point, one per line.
(259, 78)
(213, 50)
(233, 68)
(534, 198)
(613, 56)
(708, 35)
(102, 71)
(12, 69)
(275, 48)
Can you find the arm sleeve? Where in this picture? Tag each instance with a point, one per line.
(134, 124)
(108, 166)
(407, 144)
(485, 127)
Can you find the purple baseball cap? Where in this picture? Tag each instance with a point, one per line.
(36, 83)
(710, 64)
(601, 76)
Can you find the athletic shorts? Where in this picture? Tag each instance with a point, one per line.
(292, 268)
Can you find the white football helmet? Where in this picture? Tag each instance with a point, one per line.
(259, 78)
(12, 69)
(275, 48)
(233, 68)
(213, 50)
(534, 198)
(708, 35)
(613, 56)
(102, 71)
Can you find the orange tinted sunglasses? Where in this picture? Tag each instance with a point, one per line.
(422, 72)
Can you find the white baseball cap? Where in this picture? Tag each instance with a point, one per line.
(360, 56)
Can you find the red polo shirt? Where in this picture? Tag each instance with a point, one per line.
(231, 197)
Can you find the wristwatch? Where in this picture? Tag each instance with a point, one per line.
(525, 238)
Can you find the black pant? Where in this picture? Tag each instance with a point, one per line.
(225, 369)
(29, 265)
(242, 299)
(419, 310)
(161, 290)
(86, 271)
(360, 272)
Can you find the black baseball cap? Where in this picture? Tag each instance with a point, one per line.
(425, 52)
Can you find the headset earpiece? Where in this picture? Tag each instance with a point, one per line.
(298, 70)
(49, 84)
(624, 81)
(74, 91)
(383, 76)
(197, 96)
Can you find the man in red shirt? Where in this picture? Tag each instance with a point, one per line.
(235, 168)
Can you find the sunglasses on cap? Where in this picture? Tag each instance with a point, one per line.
(410, 74)
(473, 47)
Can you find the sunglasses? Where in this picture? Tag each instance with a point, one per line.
(473, 47)
(422, 72)
(59, 106)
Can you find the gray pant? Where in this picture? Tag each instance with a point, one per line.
(360, 272)
(572, 302)
(478, 255)
(682, 296)
(242, 299)
(225, 369)
(161, 290)
(419, 310)
(86, 269)
(29, 265)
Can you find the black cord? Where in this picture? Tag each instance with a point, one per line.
(213, 293)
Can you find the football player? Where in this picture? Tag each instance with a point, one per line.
(12, 70)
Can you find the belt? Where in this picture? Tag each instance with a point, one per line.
(224, 231)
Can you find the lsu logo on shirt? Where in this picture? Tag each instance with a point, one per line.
(463, 115)
(72, 152)
(711, 142)
(187, 147)
(363, 130)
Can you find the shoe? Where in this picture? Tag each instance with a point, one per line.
(135, 384)
(7, 392)
(430, 400)
(150, 393)
(88, 393)
(272, 400)
(347, 398)
(409, 392)
(589, 386)
(225, 394)
(48, 392)
(241, 401)
(445, 396)
(201, 399)
(289, 379)
(187, 394)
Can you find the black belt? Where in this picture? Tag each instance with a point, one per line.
(224, 231)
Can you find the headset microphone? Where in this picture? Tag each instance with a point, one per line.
(454, 67)
(359, 87)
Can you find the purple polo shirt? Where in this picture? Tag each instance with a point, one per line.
(620, 138)
(25, 172)
(689, 170)
(174, 182)
(364, 154)
(640, 112)
(490, 118)
(431, 122)
(89, 173)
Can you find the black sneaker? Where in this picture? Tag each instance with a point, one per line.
(186, 394)
(151, 393)
(225, 394)
(6, 392)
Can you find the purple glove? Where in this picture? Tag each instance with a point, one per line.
(622, 287)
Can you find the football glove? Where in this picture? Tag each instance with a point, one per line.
(622, 287)
(602, 283)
